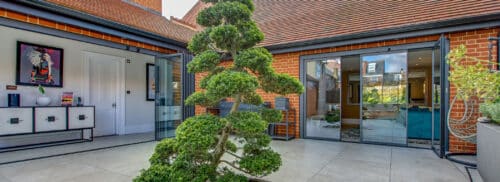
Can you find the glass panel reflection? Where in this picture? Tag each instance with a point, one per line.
(323, 98)
(168, 100)
(384, 98)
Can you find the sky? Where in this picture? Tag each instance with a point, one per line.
(394, 62)
(177, 8)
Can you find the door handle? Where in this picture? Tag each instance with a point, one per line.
(113, 105)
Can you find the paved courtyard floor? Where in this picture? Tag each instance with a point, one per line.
(303, 160)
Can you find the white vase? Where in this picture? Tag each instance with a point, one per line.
(43, 100)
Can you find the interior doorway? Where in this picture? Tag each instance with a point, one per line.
(351, 94)
(105, 81)
(420, 97)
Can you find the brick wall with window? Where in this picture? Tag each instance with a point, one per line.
(475, 40)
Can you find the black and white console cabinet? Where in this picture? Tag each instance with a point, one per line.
(50, 119)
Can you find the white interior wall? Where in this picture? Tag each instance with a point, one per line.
(139, 115)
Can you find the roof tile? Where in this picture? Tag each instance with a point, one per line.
(287, 21)
(130, 15)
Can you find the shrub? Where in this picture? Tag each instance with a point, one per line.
(195, 154)
(491, 110)
(473, 79)
(271, 115)
(333, 116)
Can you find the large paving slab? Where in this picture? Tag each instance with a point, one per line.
(303, 160)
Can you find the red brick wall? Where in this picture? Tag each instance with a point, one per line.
(151, 4)
(78, 30)
(477, 46)
(289, 63)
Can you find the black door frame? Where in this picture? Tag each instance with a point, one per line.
(444, 46)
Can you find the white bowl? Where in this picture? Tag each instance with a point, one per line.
(43, 101)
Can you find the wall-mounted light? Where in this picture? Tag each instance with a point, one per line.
(490, 51)
(175, 85)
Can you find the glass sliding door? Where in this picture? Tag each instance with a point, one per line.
(168, 99)
(323, 93)
(384, 98)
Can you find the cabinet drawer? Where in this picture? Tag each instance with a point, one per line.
(50, 119)
(16, 121)
(80, 117)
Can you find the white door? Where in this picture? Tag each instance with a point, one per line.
(103, 86)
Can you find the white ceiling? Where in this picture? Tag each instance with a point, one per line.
(420, 58)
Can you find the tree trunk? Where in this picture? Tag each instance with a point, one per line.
(220, 148)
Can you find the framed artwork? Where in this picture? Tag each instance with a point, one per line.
(39, 65)
(150, 82)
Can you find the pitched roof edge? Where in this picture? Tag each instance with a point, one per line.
(98, 20)
(389, 31)
(142, 7)
(193, 9)
(183, 23)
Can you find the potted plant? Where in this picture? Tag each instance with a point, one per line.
(475, 82)
(332, 116)
(491, 112)
(488, 133)
(42, 99)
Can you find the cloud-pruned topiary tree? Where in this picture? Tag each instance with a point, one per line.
(196, 153)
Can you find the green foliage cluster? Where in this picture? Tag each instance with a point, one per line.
(371, 97)
(205, 61)
(184, 158)
(196, 154)
(491, 110)
(271, 115)
(41, 89)
(333, 116)
(472, 77)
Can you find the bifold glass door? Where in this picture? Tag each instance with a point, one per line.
(384, 98)
(168, 95)
(439, 102)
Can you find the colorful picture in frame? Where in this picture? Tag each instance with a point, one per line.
(67, 99)
(150, 82)
(39, 65)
